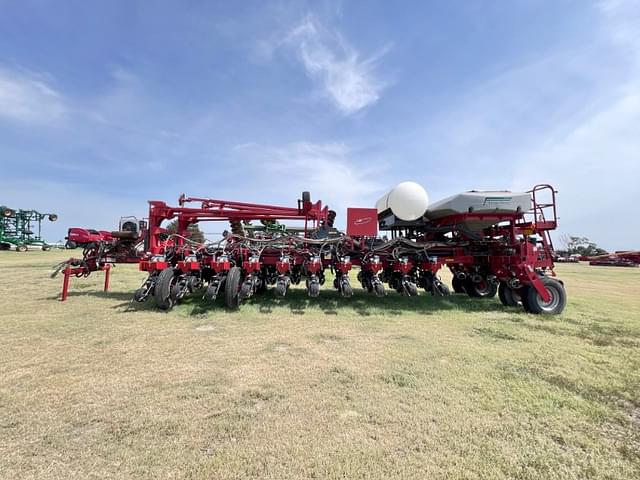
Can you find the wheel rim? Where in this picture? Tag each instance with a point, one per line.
(482, 287)
(551, 304)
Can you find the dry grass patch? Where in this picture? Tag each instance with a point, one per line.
(316, 388)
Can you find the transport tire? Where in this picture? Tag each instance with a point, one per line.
(524, 295)
(70, 245)
(484, 289)
(232, 287)
(555, 306)
(508, 296)
(306, 197)
(457, 285)
(5, 246)
(167, 279)
(21, 248)
(46, 248)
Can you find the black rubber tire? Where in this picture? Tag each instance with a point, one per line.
(124, 235)
(555, 306)
(485, 289)
(46, 248)
(280, 289)
(524, 297)
(508, 296)
(21, 248)
(306, 197)
(439, 289)
(162, 291)
(411, 290)
(5, 246)
(245, 291)
(346, 290)
(314, 289)
(138, 295)
(129, 226)
(232, 287)
(457, 285)
(175, 291)
(70, 245)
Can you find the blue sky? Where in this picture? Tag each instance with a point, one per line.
(105, 105)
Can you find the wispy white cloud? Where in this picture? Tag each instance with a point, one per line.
(595, 160)
(569, 118)
(329, 171)
(28, 99)
(622, 18)
(349, 81)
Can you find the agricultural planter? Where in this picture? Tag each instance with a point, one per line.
(493, 243)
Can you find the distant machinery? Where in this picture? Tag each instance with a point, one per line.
(22, 229)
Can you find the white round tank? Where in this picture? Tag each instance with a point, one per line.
(408, 201)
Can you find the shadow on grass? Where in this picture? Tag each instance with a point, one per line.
(330, 302)
(125, 297)
(89, 293)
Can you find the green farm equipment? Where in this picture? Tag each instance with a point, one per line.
(17, 229)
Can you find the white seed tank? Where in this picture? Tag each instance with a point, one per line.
(408, 201)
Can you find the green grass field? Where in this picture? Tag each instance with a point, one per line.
(290, 388)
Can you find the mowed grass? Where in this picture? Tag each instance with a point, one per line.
(315, 388)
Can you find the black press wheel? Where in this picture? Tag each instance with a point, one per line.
(345, 289)
(232, 287)
(162, 292)
(534, 303)
(314, 289)
(508, 296)
(410, 289)
(458, 285)
(140, 294)
(280, 289)
(439, 289)
(482, 289)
